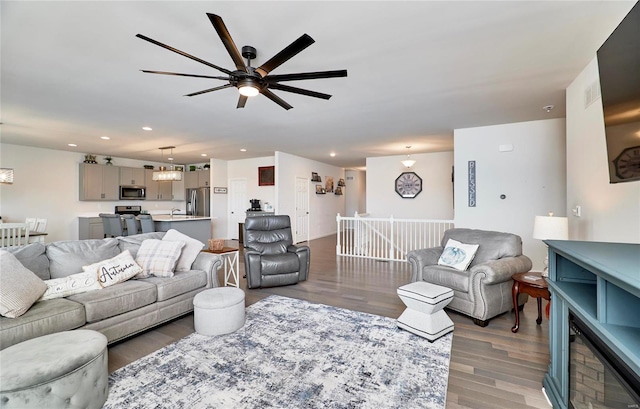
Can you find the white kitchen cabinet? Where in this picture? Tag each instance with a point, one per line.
(178, 189)
(157, 190)
(132, 176)
(99, 182)
(197, 178)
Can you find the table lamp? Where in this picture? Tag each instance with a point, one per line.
(550, 228)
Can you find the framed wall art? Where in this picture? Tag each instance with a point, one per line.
(266, 176)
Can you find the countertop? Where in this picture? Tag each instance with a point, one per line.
(177, 218)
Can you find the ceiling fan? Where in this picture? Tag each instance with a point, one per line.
(252, 81)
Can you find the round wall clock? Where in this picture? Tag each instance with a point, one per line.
(408, 185)
(627, 164)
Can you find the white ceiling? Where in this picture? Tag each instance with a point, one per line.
(417, 70)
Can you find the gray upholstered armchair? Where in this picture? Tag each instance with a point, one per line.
(484, 289)
(270, 258)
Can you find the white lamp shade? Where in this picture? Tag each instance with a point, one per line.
(551, 228)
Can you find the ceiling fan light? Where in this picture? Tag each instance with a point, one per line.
(248, 87)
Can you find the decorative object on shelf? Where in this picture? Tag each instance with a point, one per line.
(179, 168)
(315, 177)
(338, 190)
(220, 190)
(320, 190)
(341, 182)
(268, 207)
(550, 228)
(266, 175)
(408, 185)
(192, 168)
(164, 174)
(90, 159)
(148, 167)
(6, 176)
(108, 159)
(207, 166)
(328, 184)
(408, 162)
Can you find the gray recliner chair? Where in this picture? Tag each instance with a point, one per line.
(484, 289)
(270, 258)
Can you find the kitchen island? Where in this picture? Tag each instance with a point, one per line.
(198, 227)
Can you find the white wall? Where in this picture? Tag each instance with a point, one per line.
(355, 192)
(532, 177)
(219, 202)
(610, 212)
(248, 169)
(434, 202)
(322, 208)
(46, 185)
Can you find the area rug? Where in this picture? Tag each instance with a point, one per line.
(291, 354)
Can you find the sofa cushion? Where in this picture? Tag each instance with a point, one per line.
(279, 264)
(158, 258)
(44, 317)
(33, 256)
(132, 243)
(68, 257)
(446, 277)
(457, 255)
(190, 250)
(19, 286)
(116, 299)
(70, 285)
(493, 245)
(115, 270)
(182, 282)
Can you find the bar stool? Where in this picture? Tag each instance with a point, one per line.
(131, 223)
(112, 224)
(146, 223)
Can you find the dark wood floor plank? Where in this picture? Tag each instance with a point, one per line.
(490, 367)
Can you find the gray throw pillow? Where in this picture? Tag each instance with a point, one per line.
(19, 286)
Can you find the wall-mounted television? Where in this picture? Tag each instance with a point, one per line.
(619, 67)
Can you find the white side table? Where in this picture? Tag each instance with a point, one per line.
(424, 315)
(231, 265)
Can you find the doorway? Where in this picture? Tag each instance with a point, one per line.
(237, 206)
(302, 210)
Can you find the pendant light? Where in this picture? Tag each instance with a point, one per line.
(6, 176)
(408, 162)
(164, 175)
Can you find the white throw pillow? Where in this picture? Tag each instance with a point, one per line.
(158, 257)
(190, 250)
(70, 285)
(458, 255)
(115, 270)
(19, 286)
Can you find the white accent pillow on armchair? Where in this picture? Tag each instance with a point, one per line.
(457, 255)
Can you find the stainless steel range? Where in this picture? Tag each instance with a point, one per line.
(134, 210)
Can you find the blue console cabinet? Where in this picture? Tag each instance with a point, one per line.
(600, 284)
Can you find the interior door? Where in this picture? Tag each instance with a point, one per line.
(238, 204)
(302, 210)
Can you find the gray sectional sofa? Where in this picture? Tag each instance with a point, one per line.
(118, 311)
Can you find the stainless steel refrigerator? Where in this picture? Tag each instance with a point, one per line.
(199, 201)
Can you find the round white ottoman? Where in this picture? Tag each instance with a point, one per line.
(62, 370)
(218, 311)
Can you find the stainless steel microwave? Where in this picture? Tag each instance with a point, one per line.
(132, 192)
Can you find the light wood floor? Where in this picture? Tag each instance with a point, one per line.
(490, 367)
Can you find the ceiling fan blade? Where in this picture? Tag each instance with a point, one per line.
(289, 51)
(241, 101)
(175, 50)
(185, 75)
(297, 90)
(209, 90)
(306, 76)
(221, 28)
(275, 99)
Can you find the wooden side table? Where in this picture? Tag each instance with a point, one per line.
(231, 265)
(535, 285)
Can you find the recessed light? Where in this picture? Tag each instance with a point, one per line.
(203, 154)
(332, 154)
(106, 138)
(548, 108)
(243, 150)
(73, 145)
(147, 128)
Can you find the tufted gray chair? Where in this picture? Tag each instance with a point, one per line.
(484, 289)
(270, 258)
